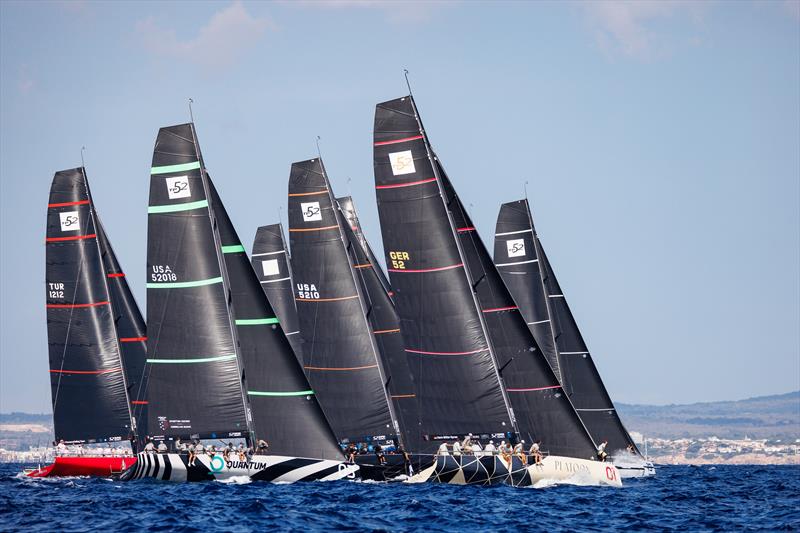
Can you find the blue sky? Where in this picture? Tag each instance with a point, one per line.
(660, 142)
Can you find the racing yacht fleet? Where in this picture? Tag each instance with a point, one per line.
(323, 365)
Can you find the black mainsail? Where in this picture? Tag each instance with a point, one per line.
(457, 383)
(285, 410)
(522, 262)
(272, 264)
(93, 323)
(339, 351)
(196, 379)
(385, 326)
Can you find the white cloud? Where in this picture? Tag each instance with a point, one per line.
(218, 44)
(631, 26)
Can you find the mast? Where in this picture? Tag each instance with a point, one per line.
(88, 385)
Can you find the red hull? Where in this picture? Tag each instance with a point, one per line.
(84, 466)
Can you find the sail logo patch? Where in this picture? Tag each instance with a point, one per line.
(178, 187)
(402, 163)
(69, 221)
(311, 211)
(270, 267)
(516, 247)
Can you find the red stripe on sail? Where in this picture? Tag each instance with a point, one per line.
(139, 402)
(462, 230)
(110, 370)
(405, 139)
(116, 274)
(425, 269)
(74, 238)
(447, 353)
(65, 204)
(132, 339)
(494, 310)
(534, 389)
(75, 306)
(409, 184)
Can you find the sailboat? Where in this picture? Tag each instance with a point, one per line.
(523, 264)
(477, 368)
(96, 336)
(340, 346)
(272, 263)
(208, 322)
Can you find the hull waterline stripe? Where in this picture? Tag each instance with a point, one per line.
(313, 193)
(275, 280)
(233, 249)
(294, 393)
(405, 139)
(184, 284)
(534, 389)
(270, 253)
(116, 274)
(298, 230)
(447, 353)
(133, 339)
(381, 331)
(75, 306)
(168, 169)
(74, 238)
(256, 321)
(189, 361)
(408, 184)
(416, 271)
(326, 299)
(512, 232)
(496, 309)
(517, 263)
(173, 208)
(66, 204)
(108, 371)
(341, 369)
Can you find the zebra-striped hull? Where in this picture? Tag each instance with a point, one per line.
(494, 470)
(273, 468)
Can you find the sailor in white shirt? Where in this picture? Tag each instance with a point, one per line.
(162, 448)
(61, 449)
(489, 449)
(601, 450)
(457, 448)
(443, 449)
(150, 447)
(476, 448)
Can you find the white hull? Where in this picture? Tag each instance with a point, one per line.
(272, 468)
(493, 470)
(643, 469)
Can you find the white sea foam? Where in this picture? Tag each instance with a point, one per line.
(236, 480)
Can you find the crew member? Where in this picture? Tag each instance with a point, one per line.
(457, 448)
(149, 447)
(379, 454)
(443, 449)
(162, 448)
(199, 449)
(535, 453)
(407, 466)
(490, 448)
(61, 449)
(476, 448)
(262, 446)
(505, 452)
(241, 451)
(192, 455)
(601, 450)
(519, 451)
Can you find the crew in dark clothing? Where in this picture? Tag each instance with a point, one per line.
(351, 452)
(378, 449)
(407, 466)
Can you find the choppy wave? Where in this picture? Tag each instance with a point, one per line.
(722, 498)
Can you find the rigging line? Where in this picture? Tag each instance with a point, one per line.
(83, 165)
(408, 83)
(191, 115)
(319, 152)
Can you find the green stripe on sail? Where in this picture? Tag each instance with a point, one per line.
(232, 249)
(184, 284)
(256, 321)
(187, 361)
(175, 168)
(171, 208)
(296, 393)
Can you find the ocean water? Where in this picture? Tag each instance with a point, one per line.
(707, 498)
